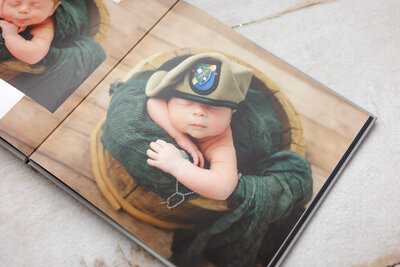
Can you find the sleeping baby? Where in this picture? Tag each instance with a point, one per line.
(36, 15)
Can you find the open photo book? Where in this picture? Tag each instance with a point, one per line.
(199, 145)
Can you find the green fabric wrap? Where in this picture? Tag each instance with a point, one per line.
(70, 20)
(128, 131)
(272, 185)
(72, 57)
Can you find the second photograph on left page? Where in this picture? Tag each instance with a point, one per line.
(53, 53)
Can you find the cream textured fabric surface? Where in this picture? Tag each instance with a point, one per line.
(349, 45)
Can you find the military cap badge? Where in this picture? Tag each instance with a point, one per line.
(204, 77)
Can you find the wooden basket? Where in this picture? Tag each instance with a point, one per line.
(99, 27)
(120, 189)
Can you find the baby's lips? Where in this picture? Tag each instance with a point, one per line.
(198, 125)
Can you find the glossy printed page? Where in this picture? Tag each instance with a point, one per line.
(95, 153)
(90, 38)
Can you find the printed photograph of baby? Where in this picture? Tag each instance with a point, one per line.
(49, 47)
(203, 126)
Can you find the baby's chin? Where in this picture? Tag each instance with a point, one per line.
(27, 22)
(202, 136)
(21, 23)
(195, 135)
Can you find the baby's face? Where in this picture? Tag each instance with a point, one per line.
(197, 119)
(28, 12)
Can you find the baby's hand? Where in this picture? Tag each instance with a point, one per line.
(191, 148)
(21, 29)
(8, 28)
(164, 156)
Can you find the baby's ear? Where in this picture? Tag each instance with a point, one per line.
(233, 111)
(55, 7)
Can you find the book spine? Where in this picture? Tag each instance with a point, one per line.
(13, 150)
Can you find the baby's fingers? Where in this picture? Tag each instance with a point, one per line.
(195, 157)
(198, 158)
(161, 143)
(155, 146)
(152, 162)
(201, 159)
(151, 154)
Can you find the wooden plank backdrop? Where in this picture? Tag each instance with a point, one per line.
(329, 122)
(28, 123)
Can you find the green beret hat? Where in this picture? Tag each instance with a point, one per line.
(209, 78)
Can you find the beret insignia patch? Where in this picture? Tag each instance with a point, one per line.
(204, 77)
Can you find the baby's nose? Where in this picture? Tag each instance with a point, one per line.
(198, 111)
(23, 9)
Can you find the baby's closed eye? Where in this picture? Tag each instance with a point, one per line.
(13, 3)
(214, 107)
(183, 102)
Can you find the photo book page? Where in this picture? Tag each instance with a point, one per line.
(199, 145)
(90, 38)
